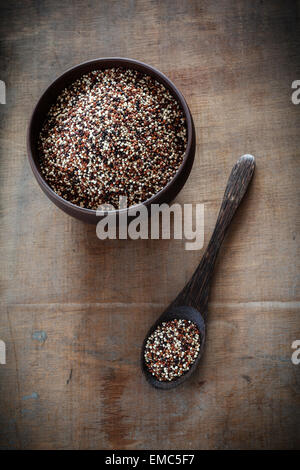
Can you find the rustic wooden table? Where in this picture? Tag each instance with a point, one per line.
(75, 309)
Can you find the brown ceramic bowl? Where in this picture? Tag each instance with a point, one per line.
(49, 97)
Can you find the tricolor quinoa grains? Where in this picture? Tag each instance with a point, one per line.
(171, 349)
(115, 132)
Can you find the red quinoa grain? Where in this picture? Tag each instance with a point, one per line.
(111, 133)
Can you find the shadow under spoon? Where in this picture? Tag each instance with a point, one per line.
(191, 303)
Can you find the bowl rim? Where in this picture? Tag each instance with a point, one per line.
(157, 74)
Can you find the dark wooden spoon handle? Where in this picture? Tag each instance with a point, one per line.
(196, 291)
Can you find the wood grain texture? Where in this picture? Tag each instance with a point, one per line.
(75, 309)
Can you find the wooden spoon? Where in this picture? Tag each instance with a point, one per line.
(191, 303)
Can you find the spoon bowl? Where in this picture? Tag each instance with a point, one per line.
(178, 313)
